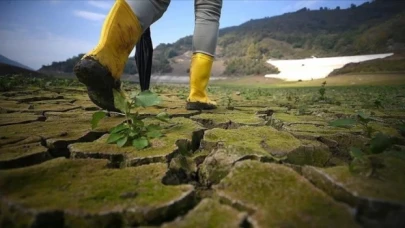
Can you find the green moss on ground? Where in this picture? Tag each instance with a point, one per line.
(85, 104)
(39, 96)
(394, 114)
(247, 140)
(254, 110)
(217, 119)
(160, 148)
(311, 128)
(172, 111)
(17, 118)
(342, 112)
(46, 129)
(280, 197)
(67, 127)
(92, 195)
(384, 129)
(80, 187)
(23, 155)
(13, 106)
(60, 183)
(70, 114)
(389, 185)
(311, 152)
(209, 213)
(289, 118)
(10, 153)
(47, 107)
(264, 143)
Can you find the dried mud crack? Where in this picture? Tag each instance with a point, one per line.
(136, 197)
(265, 162)
(23, 155)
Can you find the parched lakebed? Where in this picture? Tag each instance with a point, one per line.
(264, 158)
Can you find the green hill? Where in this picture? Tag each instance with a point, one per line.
(8, 69)
(374, 27)
(66, 67)
(5, 60)
(391, 64)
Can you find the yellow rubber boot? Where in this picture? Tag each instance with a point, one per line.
(121, 31)
(200, 72)
(101, 68)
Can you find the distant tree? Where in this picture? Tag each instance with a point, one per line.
(321, 8)
(253, 51)
(352, 6)
(170, 53)
(337, 8)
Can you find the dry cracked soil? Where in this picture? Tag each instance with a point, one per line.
(254, 162)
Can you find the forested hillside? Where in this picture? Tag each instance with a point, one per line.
(374, 27)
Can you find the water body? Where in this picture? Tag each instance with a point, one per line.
(315, 68)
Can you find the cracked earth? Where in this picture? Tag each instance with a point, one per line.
(255, 164)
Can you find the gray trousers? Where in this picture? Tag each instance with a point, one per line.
(207, 15)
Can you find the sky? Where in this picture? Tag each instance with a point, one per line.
(38, 32)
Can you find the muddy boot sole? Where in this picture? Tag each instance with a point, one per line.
(200, 106)
(99, 83)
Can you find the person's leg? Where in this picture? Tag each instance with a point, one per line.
(207, 15)
(101, 68)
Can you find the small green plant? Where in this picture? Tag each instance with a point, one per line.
(133, 130)
(296, 99)
(360, 118)
(259, 92)
(364, 162)
(228, 101)
(378, 104)
(289, 96)
(302, 110)
(364, 120)
(322, 91)
(249, 95)
(401, 129)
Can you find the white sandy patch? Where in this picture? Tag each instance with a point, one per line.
(315, 68)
